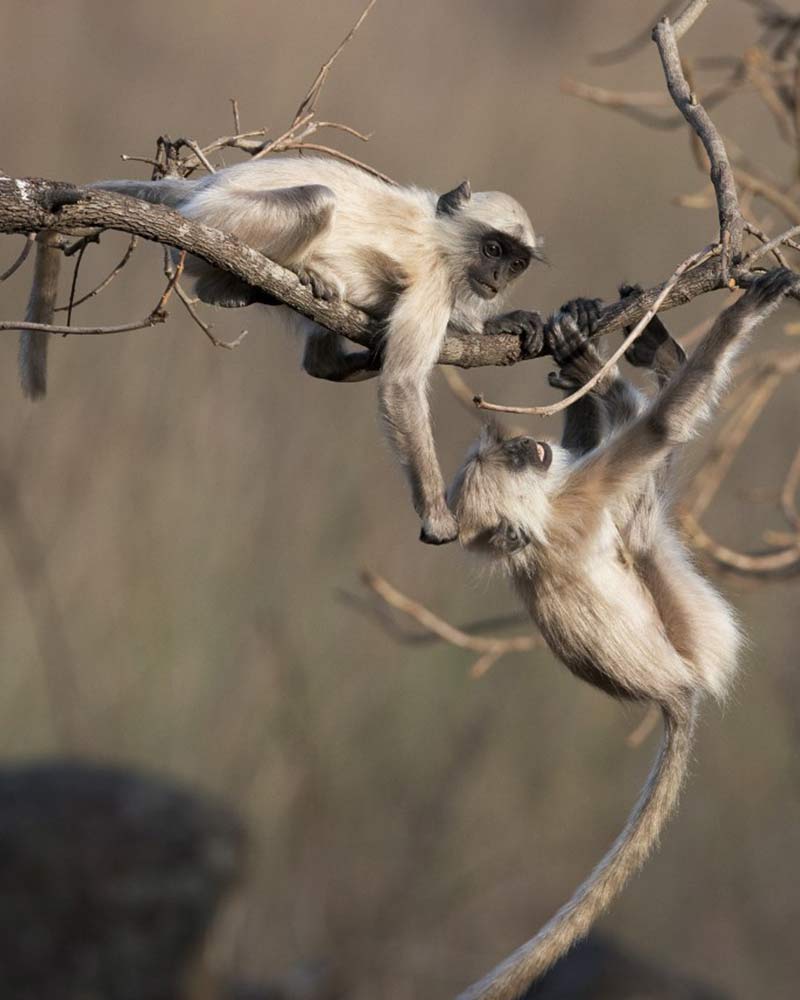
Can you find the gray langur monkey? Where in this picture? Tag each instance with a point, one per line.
(583, 530)
(416, 261)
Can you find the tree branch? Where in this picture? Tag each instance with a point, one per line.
(24, 208)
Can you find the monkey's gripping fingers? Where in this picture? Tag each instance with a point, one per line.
(439, 527)
(528, 326)
(322, 286)
(568, 336)
(768, 289)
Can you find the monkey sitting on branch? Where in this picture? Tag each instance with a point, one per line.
(414, 260)
(584, 532)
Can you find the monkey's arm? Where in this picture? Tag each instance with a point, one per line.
(612, 402)
(621, 469)
(415, 332)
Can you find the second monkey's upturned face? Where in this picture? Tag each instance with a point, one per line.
(498, 259)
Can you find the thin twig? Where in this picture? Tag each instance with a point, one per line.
(108, 279)
(789, 492)
(491, 648)
(337, 154)
(770, 246)
(309, 102)
(23, 256)
(82, 331)
(198, 152)
(74, 285)
(762, 236)
(690, 14)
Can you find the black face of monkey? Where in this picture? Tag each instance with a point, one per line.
(523, 453)
(498, 260)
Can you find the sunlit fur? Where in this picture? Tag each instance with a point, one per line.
(389, 249)
(590, 548)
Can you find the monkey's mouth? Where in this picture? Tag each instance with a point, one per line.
(484, 289)
(544, 454)
(525, 453)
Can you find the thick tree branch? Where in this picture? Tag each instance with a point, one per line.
(731, 224)
(24, 209)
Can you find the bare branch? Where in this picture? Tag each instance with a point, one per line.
(731, 224)
(309, 102)
(106, 281)
(491, 648)
(23, 256)
(690, 14)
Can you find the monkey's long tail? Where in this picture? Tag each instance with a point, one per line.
(627, 854)
(41, 308)
(170, 191)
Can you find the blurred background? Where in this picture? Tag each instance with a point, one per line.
(180, 526)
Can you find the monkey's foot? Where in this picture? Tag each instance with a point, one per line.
(655, 348)
(438, 528)
(768, 289)
(528, 326)
(322, 286)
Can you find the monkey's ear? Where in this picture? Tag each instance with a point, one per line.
(455, 200)
(492, 432)
(508, 539)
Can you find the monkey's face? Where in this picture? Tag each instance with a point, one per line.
(500, 496)
(495, 261)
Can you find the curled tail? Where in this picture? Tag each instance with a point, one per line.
(41, 307)
(170, 191)
(511, 978)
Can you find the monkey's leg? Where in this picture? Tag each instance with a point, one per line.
(612, 402)
(655, 349)
(282, 223)
(624, 467)
(325, 358)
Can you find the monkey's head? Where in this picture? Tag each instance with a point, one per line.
(490, 237)
(501, 494)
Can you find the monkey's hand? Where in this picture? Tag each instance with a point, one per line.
(439, 527)
(568, 334)
(528, 326)
(323, 286)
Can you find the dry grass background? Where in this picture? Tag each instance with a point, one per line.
(177, 521)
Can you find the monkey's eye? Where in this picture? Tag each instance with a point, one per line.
(518, 265)
(492, 249)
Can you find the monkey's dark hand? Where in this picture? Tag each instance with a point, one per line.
(528, 326)
(567, 335)
(569, 330)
